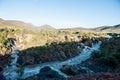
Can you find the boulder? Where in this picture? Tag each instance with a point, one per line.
(88, 43)
(72, 70)
(48, 73)
(69, 70)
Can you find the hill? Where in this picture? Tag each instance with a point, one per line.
(15, 24)
(46, 27)
(115, 28)
(29, 26)
(23, 25)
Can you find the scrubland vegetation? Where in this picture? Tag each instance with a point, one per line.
(28, 38)
(109, 54)
(44, 45)
(57, 45)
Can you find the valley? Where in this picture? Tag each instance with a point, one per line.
(29, 52)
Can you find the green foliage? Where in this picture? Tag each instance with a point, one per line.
(117, 56)
(4, 44)
(96, 54)
(75, 32)
(110, 61)
(90, 34)
(2, 40)
(109, 54)
(54, 49)
(18, 31)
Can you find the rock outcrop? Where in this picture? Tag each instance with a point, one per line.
(72, 70)
(46, 73)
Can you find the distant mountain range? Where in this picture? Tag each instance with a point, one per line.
(20, 24)
(23, 25)
(115, 28)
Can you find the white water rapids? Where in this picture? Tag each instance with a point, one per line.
(11, 71)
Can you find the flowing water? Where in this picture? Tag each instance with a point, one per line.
(12, 71)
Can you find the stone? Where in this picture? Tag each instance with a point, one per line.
(69, 70)
(72, 70)
(48, 73)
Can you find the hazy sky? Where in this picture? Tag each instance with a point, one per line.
(62, 13)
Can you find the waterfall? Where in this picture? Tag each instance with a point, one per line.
(84, 55)
(15, 57)
(11, 71)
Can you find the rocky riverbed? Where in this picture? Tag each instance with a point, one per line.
(53, 69)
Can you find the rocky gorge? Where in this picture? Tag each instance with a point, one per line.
(73, 56)
(50, 68)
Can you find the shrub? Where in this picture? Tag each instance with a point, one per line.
(96, 54)
(117, 56)
(109, 61)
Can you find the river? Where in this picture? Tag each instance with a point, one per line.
(12, 71)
